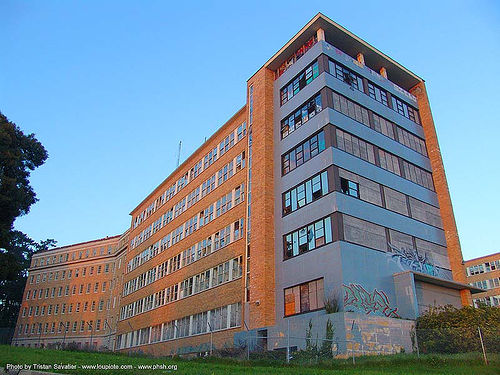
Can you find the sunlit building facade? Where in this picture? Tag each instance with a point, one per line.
(327, 188)
(71, 297)
(484, 273)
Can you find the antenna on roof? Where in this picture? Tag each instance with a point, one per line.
(179, 154)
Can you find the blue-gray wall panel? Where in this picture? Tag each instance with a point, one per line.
(378, 215)
(377, 174)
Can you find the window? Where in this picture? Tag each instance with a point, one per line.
(375, 92)
(305, 193)
(389, 162)
(308, 238)
(303, 152)
(239, 194)
(299, 82)
(301, 116)
(350, 109)
(355, 146)
(417, 175)
(358, 147)
(406, 110)
(226, 144)
(304, 297)
(225, 173)
(240, 161)
(349, 187)
(242, 131)
(346, 75)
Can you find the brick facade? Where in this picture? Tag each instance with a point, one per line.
(86, 296)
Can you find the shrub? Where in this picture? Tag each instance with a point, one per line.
(332, 304)
(447, 329)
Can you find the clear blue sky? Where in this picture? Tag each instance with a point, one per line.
(110, 87)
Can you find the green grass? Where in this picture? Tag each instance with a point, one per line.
(403, 364)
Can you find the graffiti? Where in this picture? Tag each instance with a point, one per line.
(410, 258)
(360, 299)
(297, 55)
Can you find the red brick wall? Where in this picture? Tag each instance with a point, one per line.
(262, 284)
(442, 191)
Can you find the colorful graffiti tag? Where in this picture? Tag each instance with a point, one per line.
(410, 259)
(377, 302)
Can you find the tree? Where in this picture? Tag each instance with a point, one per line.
(19, 155)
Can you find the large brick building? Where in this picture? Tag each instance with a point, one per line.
(72, 295)
(328, 184)
(484, 273)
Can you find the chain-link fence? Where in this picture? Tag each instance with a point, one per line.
(312, 348)
(457, 340)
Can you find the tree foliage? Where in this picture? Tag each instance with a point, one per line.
(19, 155)
(447, 329)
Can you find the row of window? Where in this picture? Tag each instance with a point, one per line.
(52, 293)
(380, 124)
(366, 151)
(359, 187)
(304, 297)
(48, 276)
(487, 284)
(206, 187)
(372, 90)
(64, 327)
(299, 82)
(221, 318)
(208, 279)
(82, 254)
(205, 247)
(378, 237)
(300, 116)
(382, 196)
(490, 301)
(228, 142)
(303, 152)
(312, 236)
(483, 267)
(308, 237)
(203, 218)
(305, 193)
(357, 113)
(65, 308)
(361, 149)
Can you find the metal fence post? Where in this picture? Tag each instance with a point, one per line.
(482, 345)
(416, 341)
